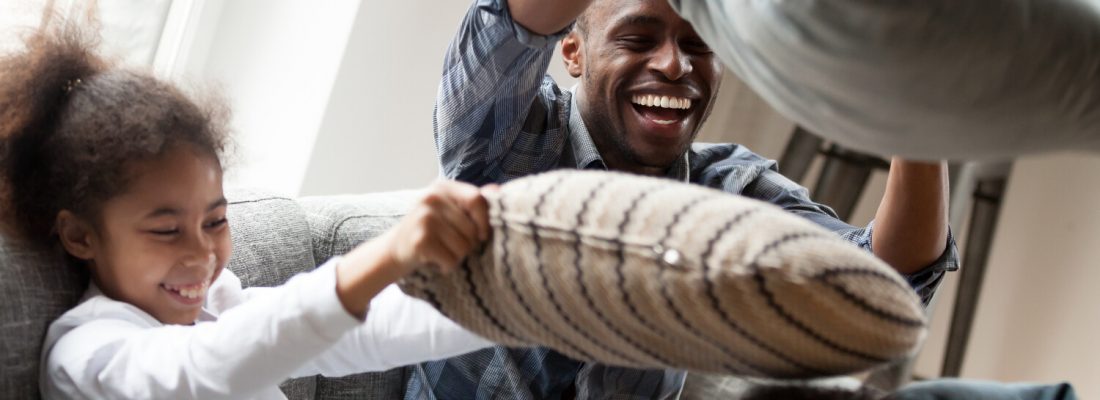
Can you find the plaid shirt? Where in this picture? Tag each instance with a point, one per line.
(498, 117)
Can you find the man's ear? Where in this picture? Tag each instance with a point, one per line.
(571, 54)
(76, 234)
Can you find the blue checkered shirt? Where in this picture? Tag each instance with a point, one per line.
(498, 116)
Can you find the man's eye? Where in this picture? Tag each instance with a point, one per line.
(697, 46)
(636, 41)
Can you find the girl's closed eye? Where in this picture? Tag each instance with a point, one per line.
(165, 231)
(217, 223)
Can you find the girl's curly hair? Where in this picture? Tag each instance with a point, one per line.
(72, 124)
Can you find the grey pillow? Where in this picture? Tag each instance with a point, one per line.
(651, 273)
(36, 287)
(925, 79)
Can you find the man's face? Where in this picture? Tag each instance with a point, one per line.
(647, 82)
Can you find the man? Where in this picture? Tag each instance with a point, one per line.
(647, 83)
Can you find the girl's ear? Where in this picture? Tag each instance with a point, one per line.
(77, 235)
(571, 54)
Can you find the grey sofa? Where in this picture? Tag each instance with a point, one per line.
(274, 238)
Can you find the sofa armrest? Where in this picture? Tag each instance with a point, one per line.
(271, 240)
(339, 223)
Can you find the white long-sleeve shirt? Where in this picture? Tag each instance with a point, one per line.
(244, 344)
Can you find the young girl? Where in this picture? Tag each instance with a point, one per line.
(122, 172)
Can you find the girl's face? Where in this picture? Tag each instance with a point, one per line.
(161, 244)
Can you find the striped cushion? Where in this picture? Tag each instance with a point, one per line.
(651, 273)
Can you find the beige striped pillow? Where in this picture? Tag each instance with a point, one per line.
(651, 273)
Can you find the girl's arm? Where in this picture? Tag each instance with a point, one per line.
(400, 330)
(261, 342)
(250, 349)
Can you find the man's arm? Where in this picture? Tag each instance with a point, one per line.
(911, 221)
(491, 81)
(737, 170)
(546, 17)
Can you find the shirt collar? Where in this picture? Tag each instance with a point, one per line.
(584, 151)
(204, 314)
(587, 157)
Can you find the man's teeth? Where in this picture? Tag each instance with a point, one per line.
(190, 291)
(673, 102)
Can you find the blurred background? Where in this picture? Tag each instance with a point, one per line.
(336, 96)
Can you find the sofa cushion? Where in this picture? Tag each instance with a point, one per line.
(271, 238)
(270, 245)
(338, 224)
(652, 273)
(36, 287)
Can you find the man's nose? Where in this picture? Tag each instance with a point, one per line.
(671, 61)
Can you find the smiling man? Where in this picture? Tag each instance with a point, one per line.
(647, 84)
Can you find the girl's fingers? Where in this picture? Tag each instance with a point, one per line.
(448, 244)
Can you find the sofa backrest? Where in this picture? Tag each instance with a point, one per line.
(36, 287)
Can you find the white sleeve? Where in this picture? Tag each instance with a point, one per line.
(923, 79)
(400, 330)
(251, 348)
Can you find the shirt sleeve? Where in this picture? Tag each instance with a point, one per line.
(773, 187)
(249, 349)
(400, 330)
(492, 74)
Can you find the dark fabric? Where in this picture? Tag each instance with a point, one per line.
(951, 389)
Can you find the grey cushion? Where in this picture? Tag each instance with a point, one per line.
(338, 224)
(270, 244)
(35, 288)
(271, 240)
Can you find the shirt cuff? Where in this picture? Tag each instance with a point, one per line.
(322, 310)
(525, 36)
(927, 280)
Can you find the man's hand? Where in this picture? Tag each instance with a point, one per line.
(546, 17)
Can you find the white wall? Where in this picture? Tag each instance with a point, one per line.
(1039, 311)
(377, 130)
(130, 30)
(276, 61)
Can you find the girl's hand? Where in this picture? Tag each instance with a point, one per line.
(444, 226)
(448, 222)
